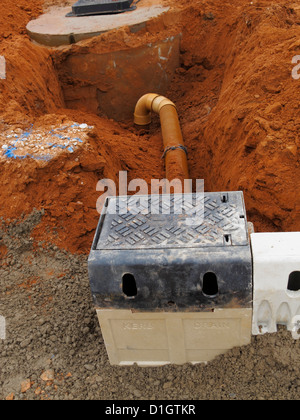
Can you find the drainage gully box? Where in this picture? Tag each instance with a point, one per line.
(173, 285)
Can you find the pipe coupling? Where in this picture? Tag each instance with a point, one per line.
(146, 104)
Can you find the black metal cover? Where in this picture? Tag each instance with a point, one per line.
(98, 7)
(145, 261)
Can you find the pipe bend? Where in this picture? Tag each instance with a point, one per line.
(159, 102)
(146, 104)
(142, 112)
(174, 149)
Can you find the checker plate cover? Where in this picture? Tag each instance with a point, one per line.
(223, 224)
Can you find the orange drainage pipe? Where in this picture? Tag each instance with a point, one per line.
(175, 152)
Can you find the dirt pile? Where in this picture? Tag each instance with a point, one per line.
(31, 87)
(236, 98)
(65, 185)
(239, 106)
(14, 16)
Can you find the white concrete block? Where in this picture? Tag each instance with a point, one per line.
(276, 282)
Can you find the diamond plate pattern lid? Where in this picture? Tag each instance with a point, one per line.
(173, 221)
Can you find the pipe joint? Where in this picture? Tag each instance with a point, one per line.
(146, 104)
(142, 113)
(159, 102)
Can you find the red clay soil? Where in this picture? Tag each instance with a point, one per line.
(237, 101)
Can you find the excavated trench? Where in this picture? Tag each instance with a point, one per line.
(238, 106)
(74, 108)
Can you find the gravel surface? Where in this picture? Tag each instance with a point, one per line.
(54, 349)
